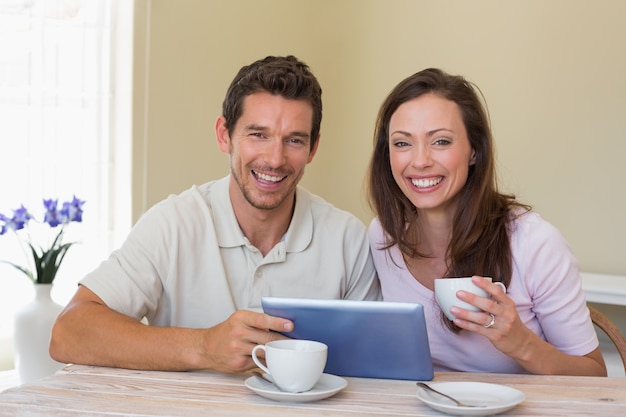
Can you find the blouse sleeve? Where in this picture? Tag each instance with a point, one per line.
(551, 276)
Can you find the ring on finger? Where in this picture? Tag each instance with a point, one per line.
(491, 322)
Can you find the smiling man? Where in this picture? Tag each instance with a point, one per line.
(196, 265)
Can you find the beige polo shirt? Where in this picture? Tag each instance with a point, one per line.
(187, 263)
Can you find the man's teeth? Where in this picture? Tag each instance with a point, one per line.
(266, 177)
(426, 183)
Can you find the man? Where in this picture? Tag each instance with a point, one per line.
(196, 265)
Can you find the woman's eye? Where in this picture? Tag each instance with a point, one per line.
(399, 143)
(442, 141)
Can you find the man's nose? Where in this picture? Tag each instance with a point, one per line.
(275, 154)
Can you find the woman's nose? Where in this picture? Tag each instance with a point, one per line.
(422, 157)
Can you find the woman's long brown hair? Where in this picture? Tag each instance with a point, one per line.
(480, 242)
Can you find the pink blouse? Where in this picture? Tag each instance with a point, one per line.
(546, 287)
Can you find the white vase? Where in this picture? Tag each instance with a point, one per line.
(33, 324)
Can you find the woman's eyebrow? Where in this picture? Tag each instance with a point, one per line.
(442, 129)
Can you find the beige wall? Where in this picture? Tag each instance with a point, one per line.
(553, 73)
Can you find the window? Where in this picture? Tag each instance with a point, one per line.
(58, 98)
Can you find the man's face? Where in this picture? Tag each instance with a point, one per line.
(269, 148)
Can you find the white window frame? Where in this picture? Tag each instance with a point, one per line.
(107, 212)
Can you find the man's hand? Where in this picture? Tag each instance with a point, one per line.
(89, 332)
(229, 345)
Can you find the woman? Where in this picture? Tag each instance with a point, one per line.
(440, 214)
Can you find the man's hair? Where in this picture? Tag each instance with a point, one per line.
(285, 76)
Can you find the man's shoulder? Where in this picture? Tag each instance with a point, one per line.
(202, 194)
(185, 206)
(323, 210)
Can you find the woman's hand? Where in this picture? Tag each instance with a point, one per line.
(498, 320)
(500, 323)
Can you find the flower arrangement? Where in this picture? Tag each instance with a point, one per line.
(46, 261)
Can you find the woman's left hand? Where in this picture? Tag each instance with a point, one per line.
(498, 321)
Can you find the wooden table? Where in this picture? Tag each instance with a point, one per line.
(94, 391)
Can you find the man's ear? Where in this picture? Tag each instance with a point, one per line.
(221, 134)
(314, 150)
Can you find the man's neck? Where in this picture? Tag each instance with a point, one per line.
(263, 228)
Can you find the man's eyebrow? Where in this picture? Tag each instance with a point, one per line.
(261, 128)
(304, 135)
(254, 127)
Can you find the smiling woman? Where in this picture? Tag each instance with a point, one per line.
(56, 96)
(434, 159)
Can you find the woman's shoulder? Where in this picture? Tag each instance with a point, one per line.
(530, 232)
(375, 230)
(528, 221)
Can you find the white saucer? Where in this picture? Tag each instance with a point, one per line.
(497, 398)
(328, 385)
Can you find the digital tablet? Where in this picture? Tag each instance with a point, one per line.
(372, 339)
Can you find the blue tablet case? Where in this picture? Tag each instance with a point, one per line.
(372, 339)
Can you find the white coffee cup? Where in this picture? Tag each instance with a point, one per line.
(446, 289)
(294, 365)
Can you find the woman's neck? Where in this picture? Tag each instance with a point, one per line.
(433, 232)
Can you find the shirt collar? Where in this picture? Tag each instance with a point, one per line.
(229, 234)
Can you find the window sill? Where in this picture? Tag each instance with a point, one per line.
(605, 289)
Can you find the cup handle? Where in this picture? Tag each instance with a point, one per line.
(501, 285)
(257, 361)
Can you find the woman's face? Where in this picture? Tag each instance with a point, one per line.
(430, 153)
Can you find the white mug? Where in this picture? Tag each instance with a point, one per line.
(294, 365)
(446, 289)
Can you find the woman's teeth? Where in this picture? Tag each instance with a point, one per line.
(427, 183)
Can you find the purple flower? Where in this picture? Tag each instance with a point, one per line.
(72, 211)
(46, 261)
(52, 215)
(21, 216)
(4, 227)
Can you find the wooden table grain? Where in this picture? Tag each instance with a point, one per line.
(96, 391)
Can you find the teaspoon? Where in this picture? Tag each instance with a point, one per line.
(457, 402)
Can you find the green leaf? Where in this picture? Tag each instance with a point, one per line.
(50, 263)
(27, 272)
